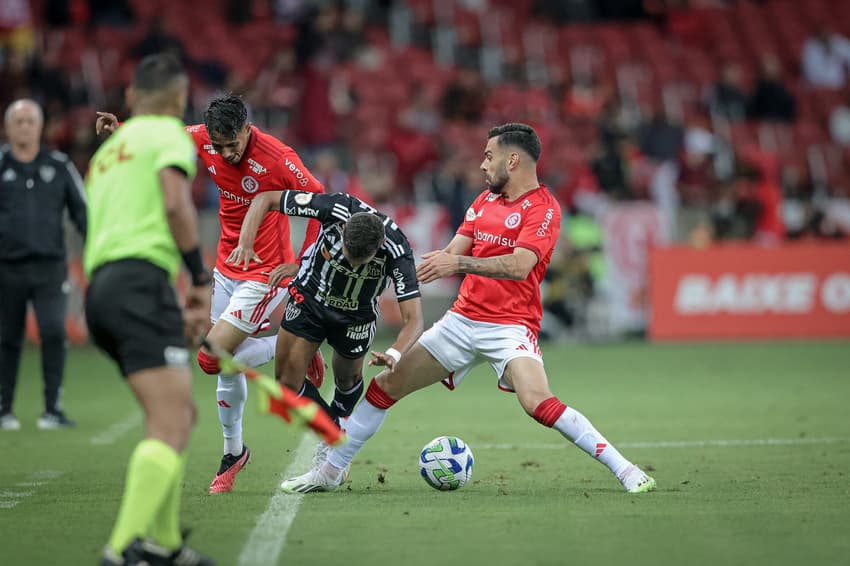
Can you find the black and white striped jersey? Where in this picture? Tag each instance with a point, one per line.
(326, 275)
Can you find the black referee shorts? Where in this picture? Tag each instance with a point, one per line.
(133, 315)
(349, 336)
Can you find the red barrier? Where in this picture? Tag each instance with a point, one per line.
(748, 291)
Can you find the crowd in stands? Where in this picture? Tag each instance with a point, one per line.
(733, 116)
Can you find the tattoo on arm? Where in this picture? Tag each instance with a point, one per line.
(498, 267)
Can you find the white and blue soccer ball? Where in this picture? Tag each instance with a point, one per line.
(446, 463)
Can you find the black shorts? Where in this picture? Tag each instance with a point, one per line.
(350, 336)
(133, 315)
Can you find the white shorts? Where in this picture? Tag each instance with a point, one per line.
(459, 344)
(244, 304)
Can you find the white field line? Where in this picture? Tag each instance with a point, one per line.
(9, 499)
(116, 430)
(731, 443)
(266, 540)
(269, 534)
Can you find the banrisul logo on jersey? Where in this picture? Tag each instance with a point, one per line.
(250, 184)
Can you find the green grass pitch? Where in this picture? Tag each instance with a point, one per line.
(724, 498)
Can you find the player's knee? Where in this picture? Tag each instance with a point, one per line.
(209, 364)
(346, 381)
(290, 379)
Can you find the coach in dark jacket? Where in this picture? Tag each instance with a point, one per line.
(36, 187)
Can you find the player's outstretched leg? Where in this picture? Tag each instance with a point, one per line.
(528, 378)
(417, 369)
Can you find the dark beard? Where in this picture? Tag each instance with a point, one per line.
(497, 184)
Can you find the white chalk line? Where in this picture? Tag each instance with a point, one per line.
(266, 540)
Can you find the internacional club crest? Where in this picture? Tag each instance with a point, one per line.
(250, 184)
(513, 220)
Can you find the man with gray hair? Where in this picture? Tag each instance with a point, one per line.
(36, 187)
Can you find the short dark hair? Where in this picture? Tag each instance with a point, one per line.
(226, 115)
(157, 72)
(522, 136)
(364, 234)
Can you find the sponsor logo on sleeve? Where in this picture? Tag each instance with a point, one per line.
(399, 280)
(547, 220)
(250, 184)
(303, 198)
(295, 170)
(513, 220)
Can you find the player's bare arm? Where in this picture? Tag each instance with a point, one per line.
(514, 266)
(412, 319)
(261, 205)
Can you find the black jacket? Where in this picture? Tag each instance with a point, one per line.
(33, 199)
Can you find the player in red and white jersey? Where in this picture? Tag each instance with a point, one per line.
(503, 247)
(243, 162)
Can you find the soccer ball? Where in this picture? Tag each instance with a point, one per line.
(446, 463)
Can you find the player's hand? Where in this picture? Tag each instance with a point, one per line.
(196, 313)
(242, 255)
(106, 122)
(281, 272)
(437, 264)
(382, 359)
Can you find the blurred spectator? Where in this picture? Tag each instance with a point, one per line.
(771, 99)
(277, 85)
(111, 12)
(696, 177)
(797, 211)
(465, 97)
(16, 31)
(239, 12)
(726, 97)
(327, 171)
(420, 114)
(839, 122)
(825, 59)
(159, 40)
(585, 97)
(456, 184)
(659, 138)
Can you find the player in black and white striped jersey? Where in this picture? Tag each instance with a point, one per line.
(334, 295)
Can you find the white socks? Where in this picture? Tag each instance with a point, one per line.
(575, 427)
(232, 391)
(359, 427)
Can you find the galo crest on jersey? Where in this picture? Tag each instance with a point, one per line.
(250, 184)
(513, 220)
(470, 214)
(292, 312)
(47, 173)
